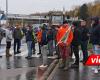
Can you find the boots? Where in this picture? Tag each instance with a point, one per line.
(62, 64)
(7, 53)
(67, 64)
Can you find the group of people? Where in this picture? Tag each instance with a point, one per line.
(65, 38)
(43, 36)
(80, 35)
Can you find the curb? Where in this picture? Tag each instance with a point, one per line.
(51, 76)
(49, 70)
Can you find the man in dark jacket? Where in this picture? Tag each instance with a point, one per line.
(29, 40)
(84, 39)
(17, 35)
(95, 38)
(95, 31)
(50, 42)
(75, 44)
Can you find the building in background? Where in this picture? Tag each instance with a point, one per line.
(51, 18)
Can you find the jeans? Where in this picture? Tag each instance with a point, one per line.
(39, 47)
(75, 49)
(44, 52)
(50, 47)
(17, 43)
(33, 46)
(29, 47)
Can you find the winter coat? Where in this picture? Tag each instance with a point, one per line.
(8, 35)
(50, 35)
(1, 34)
(17, 33)
(44, 40)
(76, 37)
(83, 34)
(39, 36)
(30, 35)
(95, 35)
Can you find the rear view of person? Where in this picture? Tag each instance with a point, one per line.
(50, 42)
(8, 41)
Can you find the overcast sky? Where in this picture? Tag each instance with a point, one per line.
(32, 6)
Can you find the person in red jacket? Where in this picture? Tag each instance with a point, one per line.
(64, 45)
(39, 35)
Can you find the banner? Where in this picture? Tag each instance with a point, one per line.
(65, 37)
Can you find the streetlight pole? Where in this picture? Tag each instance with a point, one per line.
(63, 14)
(39, 18)
(6, 11)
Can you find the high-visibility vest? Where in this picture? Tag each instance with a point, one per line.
(39, 36)
(33, 35)
(61, 32)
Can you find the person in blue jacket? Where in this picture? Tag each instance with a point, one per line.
(29, 40)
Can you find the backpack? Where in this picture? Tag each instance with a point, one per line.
(44, 40)
(34, 37)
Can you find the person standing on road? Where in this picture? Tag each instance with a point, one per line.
(1, 34)
(95, 39)
(39, 35)
(75, 44)
(64, 47)
(29, 40)
(1, 37)
(17, 35)
(50, 42)
(44, 46)
(55, 40)
(33, 41)
(8, 41)
(84, 37)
